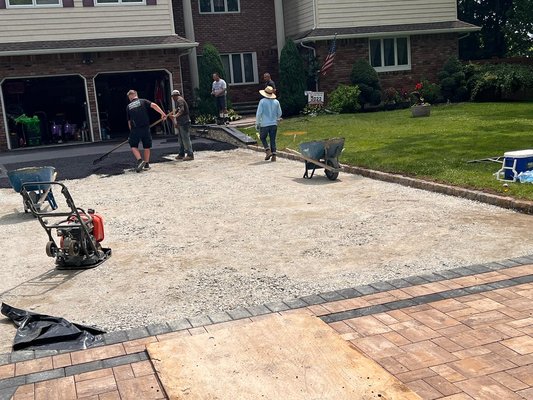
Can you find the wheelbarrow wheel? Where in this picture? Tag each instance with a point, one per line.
(330, 174)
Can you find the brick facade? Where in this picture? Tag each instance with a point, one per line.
(428, 55)
(71, 64)
(253, 29)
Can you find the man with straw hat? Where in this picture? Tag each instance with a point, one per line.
(266, 121)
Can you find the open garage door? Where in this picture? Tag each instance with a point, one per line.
(45, 110)
(111, 89)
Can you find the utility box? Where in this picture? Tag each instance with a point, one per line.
(515, 162)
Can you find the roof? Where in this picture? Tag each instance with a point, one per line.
(319, 34)
(96, 45)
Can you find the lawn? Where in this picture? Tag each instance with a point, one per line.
(434, 148)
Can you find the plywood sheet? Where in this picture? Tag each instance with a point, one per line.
(280, 357)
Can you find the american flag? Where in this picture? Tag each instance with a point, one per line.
(328, 62)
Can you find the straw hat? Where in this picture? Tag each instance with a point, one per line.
(268, 92)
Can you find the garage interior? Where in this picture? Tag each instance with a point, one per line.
(45, 110)
(111, 89)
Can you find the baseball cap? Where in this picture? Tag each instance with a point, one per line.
(176, 93)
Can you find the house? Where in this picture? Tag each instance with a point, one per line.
(71, 62)
(405, 40)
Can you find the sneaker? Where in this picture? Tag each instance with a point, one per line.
(188, 158)
(268, 154)
(273, 157)
(179, 157)
(140, 165)
(147, 166)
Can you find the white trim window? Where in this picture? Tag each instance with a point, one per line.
(34, 3)
(390, 54)
(241, 68)
(218, 6)
(118, 2)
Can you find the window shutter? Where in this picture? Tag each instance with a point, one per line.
(68, 3)
(151, 2)
(2, 3)
(88, 3)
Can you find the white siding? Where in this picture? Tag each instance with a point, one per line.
(298, 16)
(78, 22)
(355, 13)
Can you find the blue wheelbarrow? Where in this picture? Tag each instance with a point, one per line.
(31, 177)
(321, 154)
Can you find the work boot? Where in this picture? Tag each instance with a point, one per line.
(268, 154)
(140, 165)
(273, 157)
(188, 157)
(180, 156)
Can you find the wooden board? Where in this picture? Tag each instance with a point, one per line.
(280, 357)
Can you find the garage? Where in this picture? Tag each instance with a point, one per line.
(45, 110)
(111, 89)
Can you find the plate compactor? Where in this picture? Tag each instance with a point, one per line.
(79, 232)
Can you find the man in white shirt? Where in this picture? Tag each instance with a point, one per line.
(218, 89)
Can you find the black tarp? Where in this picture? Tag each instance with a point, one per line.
(44, 332)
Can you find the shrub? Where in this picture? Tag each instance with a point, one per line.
(430, 92)
(492, 82)
(344, 99)
(390, 96)
(452, 81)
(208, 64)
(366, 78)
(293, 80)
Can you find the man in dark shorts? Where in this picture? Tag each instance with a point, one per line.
(138, 112)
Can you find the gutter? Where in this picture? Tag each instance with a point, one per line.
(98, 49)
(382, 34)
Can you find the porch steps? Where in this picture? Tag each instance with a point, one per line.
(245, 108)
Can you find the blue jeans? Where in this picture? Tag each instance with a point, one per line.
(270, 132)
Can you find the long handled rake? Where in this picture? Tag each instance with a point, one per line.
(103, 157)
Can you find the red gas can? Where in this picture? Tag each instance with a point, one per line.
(98, 226)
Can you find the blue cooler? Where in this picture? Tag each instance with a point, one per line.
(515, 162)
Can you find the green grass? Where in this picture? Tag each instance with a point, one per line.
(435, 148)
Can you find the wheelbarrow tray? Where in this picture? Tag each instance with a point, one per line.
(322, 149)
(314, 161)
(30, 178)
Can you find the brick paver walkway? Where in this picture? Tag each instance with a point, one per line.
(458, 334)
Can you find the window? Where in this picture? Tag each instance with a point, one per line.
(241, 68)
(119, 1)
(219, 6)
(33, 3)
(390, 54)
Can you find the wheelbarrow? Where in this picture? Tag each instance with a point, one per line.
(31, 178)
(321, 154)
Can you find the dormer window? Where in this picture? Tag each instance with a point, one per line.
(33, 3)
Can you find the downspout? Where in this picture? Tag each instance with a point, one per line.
(189, 34)
(314, 56)
(187, 53)
(280, 26)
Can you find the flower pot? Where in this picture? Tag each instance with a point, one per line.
(421, 110)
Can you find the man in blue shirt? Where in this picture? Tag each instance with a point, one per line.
(266, 121)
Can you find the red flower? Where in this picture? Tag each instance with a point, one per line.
(418, 86)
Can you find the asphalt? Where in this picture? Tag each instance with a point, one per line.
(76, 161)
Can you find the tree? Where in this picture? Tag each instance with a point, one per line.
(506, 26)
(293, 80)
(209, 63)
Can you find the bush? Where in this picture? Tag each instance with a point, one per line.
(293, 80)
(390, 96)
(493, 82)
(208, 64)
(344, 99)
(366, 78)
(452, 81)
(431, 92)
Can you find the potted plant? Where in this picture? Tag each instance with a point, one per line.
(420, 108)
